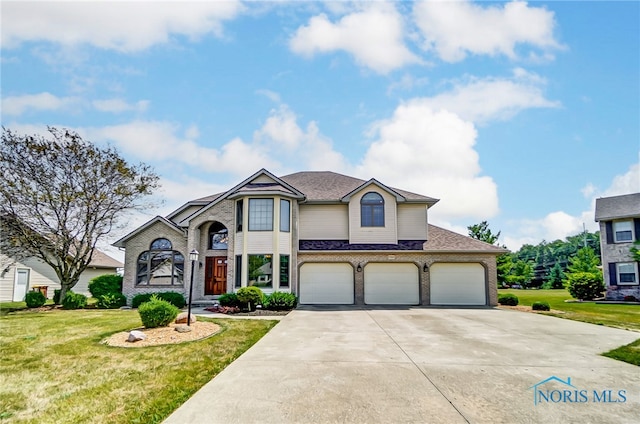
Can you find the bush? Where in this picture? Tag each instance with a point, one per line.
(229, 299)
(157, 312)
(35, 299)
(280, 301)
(56, 296)
(74, 301)
(585, 285)
(174, 298)
(251, 296)
(540, 306)
(105, 284)
(508, 299)
(111, 301)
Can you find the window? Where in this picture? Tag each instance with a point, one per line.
(260, 271)
(627, 273)
(218, 236)
(622, 231)
(285, 215)
(160, 265)
(372, 210)
(260, 214)
(284, 270)
(239, 215)
(238, 271)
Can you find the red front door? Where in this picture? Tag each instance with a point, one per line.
(215, 276)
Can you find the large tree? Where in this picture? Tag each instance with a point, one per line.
(482, 232)
(60, 195)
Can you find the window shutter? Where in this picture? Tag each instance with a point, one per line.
(613, 275)
(609, 230)
(636, 224)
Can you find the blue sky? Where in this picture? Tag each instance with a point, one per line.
(512, 112)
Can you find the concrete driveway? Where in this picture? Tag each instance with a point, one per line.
(423, 365)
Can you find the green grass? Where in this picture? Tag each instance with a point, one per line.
(618, 316)
(6, 307)
(611, 315)
(54, 369)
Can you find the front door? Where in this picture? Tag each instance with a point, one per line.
(215, 276)
(20, 286)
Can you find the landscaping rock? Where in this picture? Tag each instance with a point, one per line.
(136, 335)
(183, 328)
(182, 318)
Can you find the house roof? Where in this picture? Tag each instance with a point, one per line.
(625, 206)
(102, 260)
(441, 241)
(327, 186)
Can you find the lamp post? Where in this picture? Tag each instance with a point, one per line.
(193, 257)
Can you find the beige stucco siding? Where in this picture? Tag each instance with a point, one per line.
(386, 234)
(324, 222)
(412, 222)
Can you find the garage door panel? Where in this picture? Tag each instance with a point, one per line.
(457, 284)
(391, 284)
(330, 284)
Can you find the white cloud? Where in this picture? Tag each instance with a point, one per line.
(480, 100)
(120, 105)
(374, 36)
(281, 127)
(17, 105)
(271, 95)
(121, 26)
(432, 153)
(457, 28)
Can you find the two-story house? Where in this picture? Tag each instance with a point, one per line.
(327, 237)
(619, 218)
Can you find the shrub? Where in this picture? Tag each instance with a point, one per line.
(111, 301)
(74, 301)
(585, 285)
(35, 299)
(105, 284)
(540, 305)
(157, 312)
(56, 296)
(280, 301)
(508, 299)
(251, 296)
(174, 298)
(229, 299)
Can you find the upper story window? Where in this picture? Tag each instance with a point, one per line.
(622, 231)
(372, 210)
(218, 236)
(160, 265)
(285, 215)
(260, 214)
(239, 215)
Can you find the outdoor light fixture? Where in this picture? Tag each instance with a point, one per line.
(425, 268)
(193, 257)
(359, 268)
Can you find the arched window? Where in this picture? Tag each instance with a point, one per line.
(218, 236)
(160, 265)
(372, 210)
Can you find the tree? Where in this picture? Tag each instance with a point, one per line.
(585, 260)
(61, 195)
(504, 264)
(521, 273)
(555, 278)
(482, 232)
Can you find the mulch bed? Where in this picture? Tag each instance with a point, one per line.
(231, 310)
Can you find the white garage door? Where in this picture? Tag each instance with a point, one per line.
(391, 284)
(457, 284)
(326, 284)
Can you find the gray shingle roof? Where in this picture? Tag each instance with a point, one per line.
(102, 260)
(625, 206)
(441, 240)
(325, 186)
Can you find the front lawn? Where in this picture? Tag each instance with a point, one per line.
(55, 370)
(611, 315)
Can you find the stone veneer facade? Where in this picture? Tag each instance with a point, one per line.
(612, 253)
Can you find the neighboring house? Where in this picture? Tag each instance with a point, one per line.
(327, 237)
(619, 219)
(19, 277)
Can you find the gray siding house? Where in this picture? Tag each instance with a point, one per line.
(619, 218)
(327, 237)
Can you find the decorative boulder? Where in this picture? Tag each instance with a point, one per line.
(182, 318)
(136, 335)
(183, 328)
